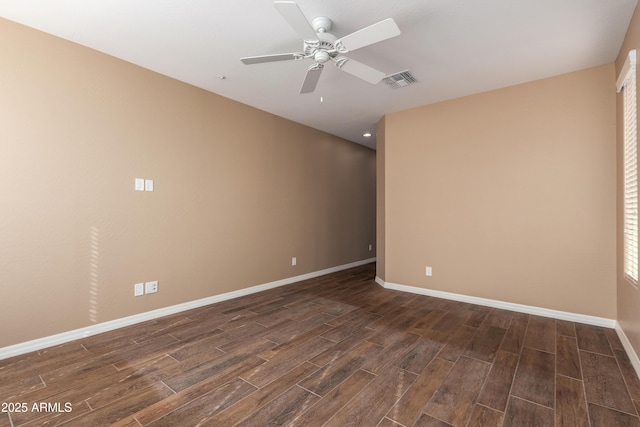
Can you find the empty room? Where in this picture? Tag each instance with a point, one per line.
(319, 213)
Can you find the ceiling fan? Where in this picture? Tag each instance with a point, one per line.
(322, 46)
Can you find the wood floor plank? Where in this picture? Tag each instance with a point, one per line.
(567, 357)
(450, 322)
(478, 315)
(204, 345)
(566, 328)
(298, 340)
(4, 419)
(593, 339)
(369, 406)
(427, 321)
(499, 318)
(571, 407)
(293, 329)
(331, 375)
(628, 373)
(344, 346)
(523, 413)
(129, 381)
(457, 343)
(485, 343)
(481, 416)
(126, 422)
(428, 421)
(47, 360)
(419, 355)
(541, 334)
(335, 400)
(216, 366)
(535, 377)
(606, 417)
(123, 407)
(514, 338)
(454, 399)
(10, 391)
(285, 361)
(263, 396)
(614, 339)
(203, 408)
(386, 422)
(412, 403)
(379, 360)
(156, 347)
(75, 390)
(386, 334)
(350, 326)
(280, 411)
(603, 382)
(495, 392)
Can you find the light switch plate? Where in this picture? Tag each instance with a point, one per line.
(138, 289)
(148, 185)
(139, 184)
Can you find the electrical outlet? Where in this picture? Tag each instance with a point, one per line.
(370, 247)
(429, 271)
(294, 261)
(151, 287)
(138, 289)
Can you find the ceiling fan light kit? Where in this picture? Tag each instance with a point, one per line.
(321, 46)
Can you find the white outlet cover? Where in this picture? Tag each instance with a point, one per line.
(148, 185)
(429, 271)
(151, 287)
(139, 184)
(294, 261)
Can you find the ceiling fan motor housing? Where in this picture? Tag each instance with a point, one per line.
(323, 46)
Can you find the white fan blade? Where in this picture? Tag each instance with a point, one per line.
(311, 79)
(293, 15)
(375, 33)
(271, 58)
(358, 69)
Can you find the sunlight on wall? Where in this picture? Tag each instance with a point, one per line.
(94, 252)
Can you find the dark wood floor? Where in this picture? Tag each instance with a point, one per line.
(338, 350)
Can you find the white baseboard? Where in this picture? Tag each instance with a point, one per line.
(539, 311)
(633, 356)
(40, 343)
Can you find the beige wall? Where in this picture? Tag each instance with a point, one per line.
(628, 295)
(380, 199)
(238, 192)
(509, 195)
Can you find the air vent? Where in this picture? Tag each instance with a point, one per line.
(400, 80)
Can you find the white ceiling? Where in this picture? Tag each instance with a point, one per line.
(453, 47)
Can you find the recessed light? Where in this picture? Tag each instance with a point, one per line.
(367, 134)
(221, 77)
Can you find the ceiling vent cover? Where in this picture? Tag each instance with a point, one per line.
(399, 80)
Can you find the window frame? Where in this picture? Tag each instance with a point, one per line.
(626, 84)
